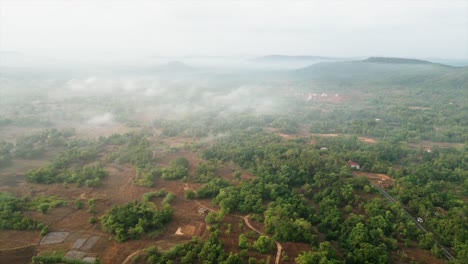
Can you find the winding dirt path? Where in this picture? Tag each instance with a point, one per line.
(278, 245)
(129, 258)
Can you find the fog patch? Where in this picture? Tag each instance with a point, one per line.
(102, 120)
(96, 86)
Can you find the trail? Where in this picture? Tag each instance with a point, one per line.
(279, 247)
(129, 258)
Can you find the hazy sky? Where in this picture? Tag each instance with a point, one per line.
(73, 29)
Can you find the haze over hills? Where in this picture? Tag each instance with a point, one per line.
(395, 60)
(286, 58)
(391, 71)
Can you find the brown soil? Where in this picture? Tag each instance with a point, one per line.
(368, 140)
(406, 255)
(18, 255)
(377, 178)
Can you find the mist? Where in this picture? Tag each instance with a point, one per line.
(51, 33)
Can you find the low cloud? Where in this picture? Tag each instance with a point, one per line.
(102, 120)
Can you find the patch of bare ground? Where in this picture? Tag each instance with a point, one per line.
(380, 179)
(19, 255)
(406, 255)
(20, 166)
(285, 136)
(324, 135)
(16, 239)
(292, 250)
(368, 140)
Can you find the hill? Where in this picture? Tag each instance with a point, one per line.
(287, 58)
(174, 66)
(396, 60)
(386, 71)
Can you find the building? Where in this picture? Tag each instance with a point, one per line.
(354, 165)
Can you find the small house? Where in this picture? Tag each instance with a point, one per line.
(354, 165)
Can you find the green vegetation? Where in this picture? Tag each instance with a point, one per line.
(146, 177)
(324, 254)
(59, 259)
(168, 196)
(92, 205)
(325, 181)
(10, 214)
(79, 204)
(133, 219)
(264, 244)
(134, 149)
(196, 251)
(43, 204)
(34, 146)
(190, 194)
(91, 175)
(5, 153)
(205, 172)
(178, 169)
(212, 188)
(44, 231)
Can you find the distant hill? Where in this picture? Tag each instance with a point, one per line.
(174, 66)
(396, 60)
(286, 58)
(386, 71)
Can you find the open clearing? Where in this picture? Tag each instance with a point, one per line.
(380, 179)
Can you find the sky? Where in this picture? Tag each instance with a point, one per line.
(74, 30)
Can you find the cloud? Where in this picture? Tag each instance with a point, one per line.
(102, 120)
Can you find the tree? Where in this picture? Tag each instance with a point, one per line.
(264, 244)
(243, 242)
(426, 241)
(134, 218)
(190, 195)
(325, 254)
